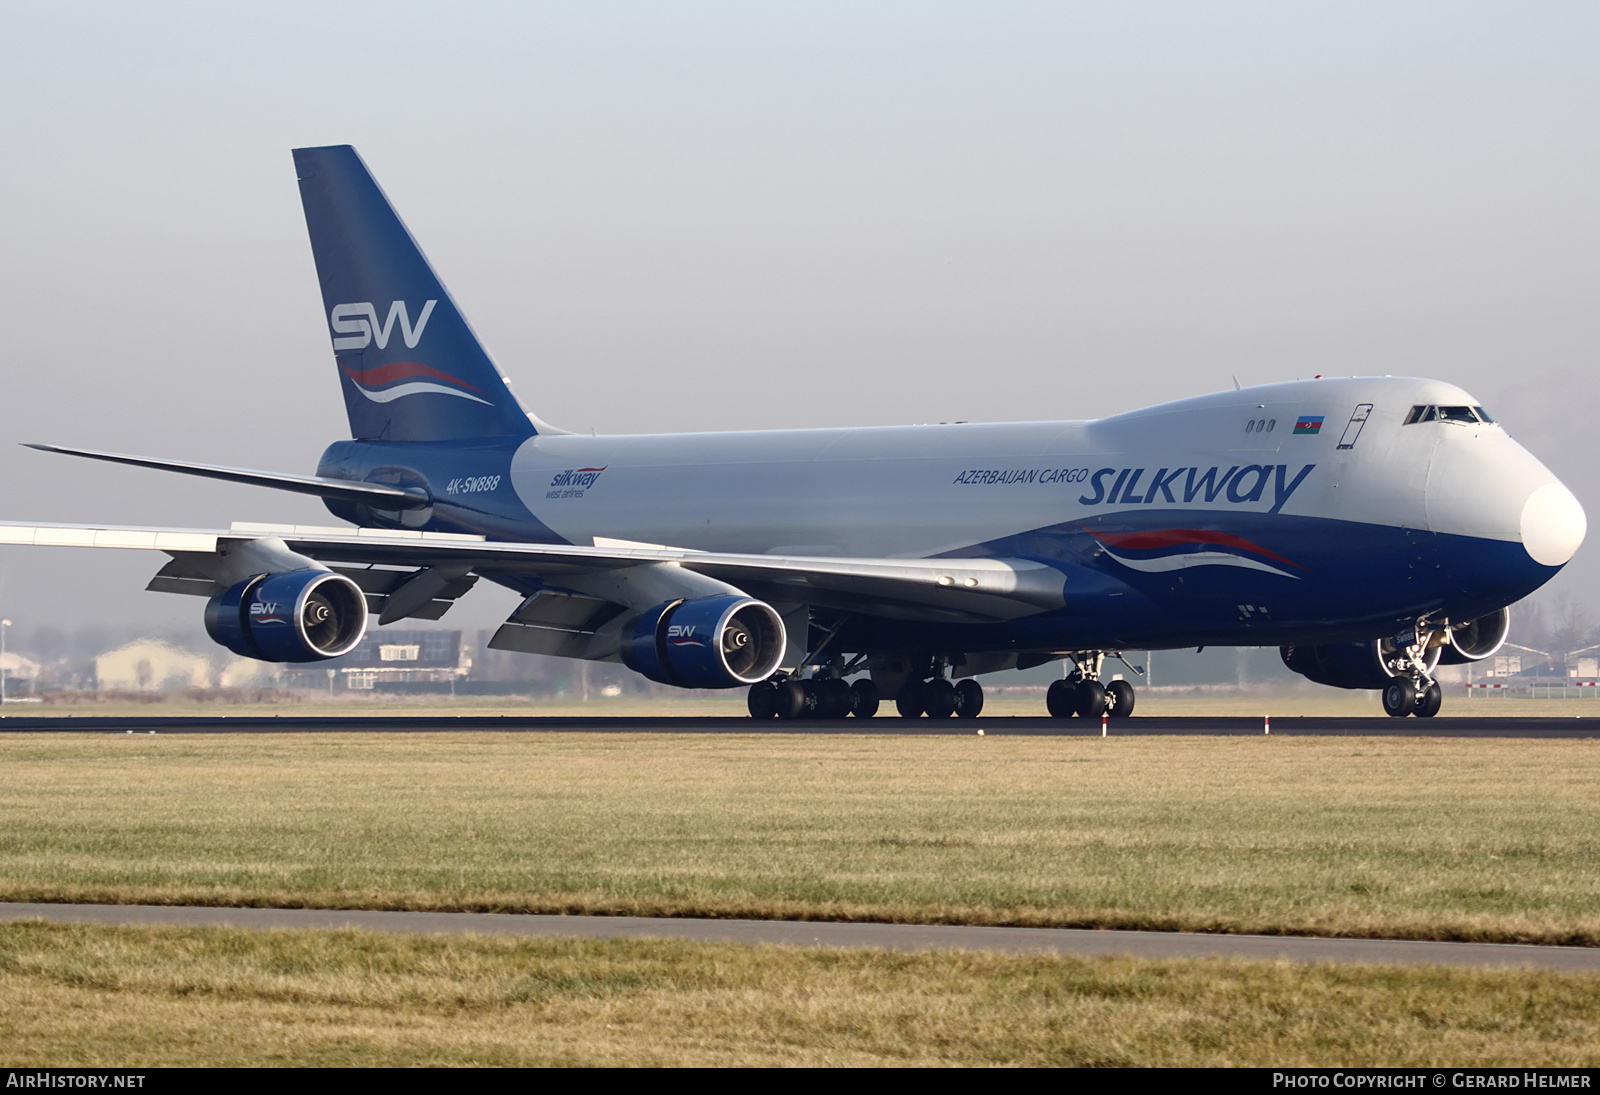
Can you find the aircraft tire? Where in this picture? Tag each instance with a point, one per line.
(1399, 698)
(833, 699)
(792, 700)
(763, 700)
(1429, 702)
(1121, 697)
(1062, 699)
(969, 699)
(864, 698)
(1091, 699)
(909, 700)
(939, 698)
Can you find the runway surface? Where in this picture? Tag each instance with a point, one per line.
(1472, 726)
(901, 937)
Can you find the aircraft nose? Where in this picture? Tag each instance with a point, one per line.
(1507, 523)
(1553, 525)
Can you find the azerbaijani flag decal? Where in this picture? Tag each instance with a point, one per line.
(1308, 423)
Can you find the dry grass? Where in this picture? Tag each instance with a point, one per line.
(1280, 703)
(144, 997)
(1408, 838)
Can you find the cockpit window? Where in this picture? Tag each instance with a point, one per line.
(1422, 413)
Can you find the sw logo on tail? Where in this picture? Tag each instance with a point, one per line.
(359, 324)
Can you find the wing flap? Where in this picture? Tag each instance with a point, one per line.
(559, 624)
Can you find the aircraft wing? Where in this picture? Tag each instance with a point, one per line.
(417, 574)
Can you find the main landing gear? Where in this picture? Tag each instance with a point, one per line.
(939, 698)
(814, 698)
(1081, 694)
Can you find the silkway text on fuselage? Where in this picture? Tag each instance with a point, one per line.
(1239, 484)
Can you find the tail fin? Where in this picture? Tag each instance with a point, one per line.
(410, 366)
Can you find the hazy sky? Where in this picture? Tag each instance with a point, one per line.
(679, 216)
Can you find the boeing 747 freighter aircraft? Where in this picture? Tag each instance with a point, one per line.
(1372, 527)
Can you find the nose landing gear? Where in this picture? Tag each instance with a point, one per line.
(1411, 657)
(1404, 696)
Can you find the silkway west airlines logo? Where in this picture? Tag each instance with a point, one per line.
(1167, 549)
(357, 327)
(573, 482)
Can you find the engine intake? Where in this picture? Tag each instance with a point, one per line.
(706, 642)
(300, 616)
(1477, 639)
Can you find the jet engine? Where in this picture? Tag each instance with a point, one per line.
(1351, 665)
(1477, 639)
(300, 616)
(705, 642)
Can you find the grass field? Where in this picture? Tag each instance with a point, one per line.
(1327, 702)
(1409, 838)
(132, 997)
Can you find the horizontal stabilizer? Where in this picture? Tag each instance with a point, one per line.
(374, 494)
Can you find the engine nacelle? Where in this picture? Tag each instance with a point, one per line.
(706, 642)
(301, 616)
(1350, 665)
(1477, 639)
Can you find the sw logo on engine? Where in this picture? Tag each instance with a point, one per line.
(359, 324)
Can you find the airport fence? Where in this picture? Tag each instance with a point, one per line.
(1534, 689)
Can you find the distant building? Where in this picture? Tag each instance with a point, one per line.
(1584, 664)
(17, 668)
(147, 665)
(1512, 660)
(390, 656)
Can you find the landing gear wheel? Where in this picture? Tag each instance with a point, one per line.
(969, 699)
(833, 699)
(909, 700)
(1429, 702)
(791, 700)
(939, 698)
(1091, 699)
(763, 700)
(1062, 699)
(1119, 694)
(1399, 698)
(864, 698)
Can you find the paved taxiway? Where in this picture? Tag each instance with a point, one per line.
(901, 937)
(1470, 726)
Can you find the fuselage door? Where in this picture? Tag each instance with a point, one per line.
(1353, 430)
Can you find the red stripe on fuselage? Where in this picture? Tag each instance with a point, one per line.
(400, 370)
(1178, 537)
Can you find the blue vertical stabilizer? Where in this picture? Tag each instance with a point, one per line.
(410, 366)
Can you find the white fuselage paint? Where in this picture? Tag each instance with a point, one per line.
(915, 491)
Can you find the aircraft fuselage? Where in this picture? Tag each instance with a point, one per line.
(1293, 512)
